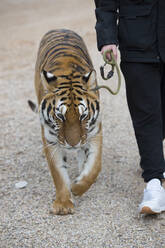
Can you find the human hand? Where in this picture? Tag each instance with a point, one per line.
(112, 47)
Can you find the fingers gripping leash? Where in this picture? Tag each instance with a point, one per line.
(114, 66)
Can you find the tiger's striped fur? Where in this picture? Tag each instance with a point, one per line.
(69, 113)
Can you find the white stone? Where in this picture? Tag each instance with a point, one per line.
(21, 184)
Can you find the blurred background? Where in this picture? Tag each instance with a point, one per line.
(24, 22)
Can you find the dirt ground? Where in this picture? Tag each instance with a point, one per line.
(106, 216)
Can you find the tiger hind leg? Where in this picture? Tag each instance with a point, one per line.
(92, 167)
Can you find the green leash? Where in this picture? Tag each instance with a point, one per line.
(114, 65)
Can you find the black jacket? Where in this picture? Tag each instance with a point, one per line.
(137, 26)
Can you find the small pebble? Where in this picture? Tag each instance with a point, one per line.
(21, 185)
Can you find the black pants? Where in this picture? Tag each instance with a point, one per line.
(145, 89)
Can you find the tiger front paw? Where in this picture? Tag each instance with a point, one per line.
(79, 188)
(63, 208)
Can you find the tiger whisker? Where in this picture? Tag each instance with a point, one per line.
(52, 154)
(48, 145)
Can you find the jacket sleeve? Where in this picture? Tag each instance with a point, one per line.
(106, 22)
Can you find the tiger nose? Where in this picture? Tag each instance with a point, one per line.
(72, 135)
(72, 127)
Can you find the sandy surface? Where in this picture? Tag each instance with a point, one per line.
(106, 216)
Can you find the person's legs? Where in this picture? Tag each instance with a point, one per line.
(143, 88)
(163, 98)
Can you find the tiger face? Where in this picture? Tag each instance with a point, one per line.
(69, 110)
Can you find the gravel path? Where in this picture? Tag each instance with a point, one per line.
(106, 216)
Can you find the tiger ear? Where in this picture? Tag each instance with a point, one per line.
(48, 79)
(90, 78)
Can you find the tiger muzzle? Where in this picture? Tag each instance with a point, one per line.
(72, 133)
(72, 127)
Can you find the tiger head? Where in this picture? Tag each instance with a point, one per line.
(69, 109)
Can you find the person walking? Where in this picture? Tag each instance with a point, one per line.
(138, 28)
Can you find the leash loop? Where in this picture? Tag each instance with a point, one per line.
(109, 75)
(114, 66)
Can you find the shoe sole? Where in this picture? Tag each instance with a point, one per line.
(147, 210)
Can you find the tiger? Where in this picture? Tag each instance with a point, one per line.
(69, 112)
